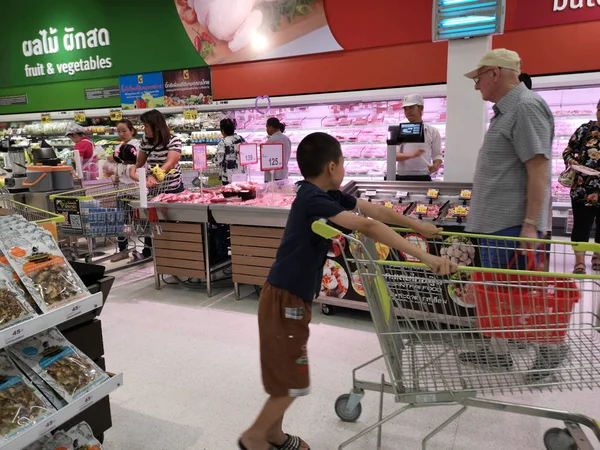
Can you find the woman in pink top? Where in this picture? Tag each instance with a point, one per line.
(85, 147)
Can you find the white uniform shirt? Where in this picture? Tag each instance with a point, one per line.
(420, 165)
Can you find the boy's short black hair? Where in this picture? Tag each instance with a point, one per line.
(316, 151)
(525, 78)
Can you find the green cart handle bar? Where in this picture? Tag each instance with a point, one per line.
(328, 232)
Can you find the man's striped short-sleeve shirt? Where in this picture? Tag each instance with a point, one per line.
(522, 128)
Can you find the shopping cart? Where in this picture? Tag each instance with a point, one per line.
(531, 330)
(44, 219)
(102, 211)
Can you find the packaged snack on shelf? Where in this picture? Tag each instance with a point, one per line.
(57, 441)
(36, 258)
(21, 404)
(56, 400)
(8, 273)
(83, 438)
(13, 306)
(60, 364)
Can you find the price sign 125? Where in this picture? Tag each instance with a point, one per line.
(271, 157)
(248, 154)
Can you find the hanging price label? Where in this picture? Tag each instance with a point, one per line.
(190, 114)
(460, 211)
(116, 115)
(80, 117)
(421, 210)
(199, 157)
(46, 118)
(371, 193)
(248, 154)
(271, 157)
(465, 194)
(433, 193)
(401, 194)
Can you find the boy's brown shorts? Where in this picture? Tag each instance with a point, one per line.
(283, 322)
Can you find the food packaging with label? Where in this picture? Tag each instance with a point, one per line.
(60, 364)
(21, 404)
(36, 258)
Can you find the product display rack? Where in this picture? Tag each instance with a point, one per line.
(57, 317)
(23, 330)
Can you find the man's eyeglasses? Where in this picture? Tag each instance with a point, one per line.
(478, 77)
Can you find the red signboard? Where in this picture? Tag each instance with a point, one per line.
(521, 15)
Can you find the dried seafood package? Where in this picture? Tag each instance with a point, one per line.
(39, 263)
(9, 274)
(60, 364)
(21, 404)
(83, 438)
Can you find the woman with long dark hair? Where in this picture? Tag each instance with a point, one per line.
(159, 148)
(275, 130)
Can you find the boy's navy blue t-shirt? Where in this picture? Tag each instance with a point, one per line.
(298, 267)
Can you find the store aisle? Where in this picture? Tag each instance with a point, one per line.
(192, 380)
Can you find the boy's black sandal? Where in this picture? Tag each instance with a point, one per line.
(292, 443)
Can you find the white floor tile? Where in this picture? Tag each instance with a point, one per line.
(192, 380)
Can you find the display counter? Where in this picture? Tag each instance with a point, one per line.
(440, 203)
(255, 233)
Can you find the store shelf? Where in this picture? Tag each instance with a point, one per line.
(23, 330)
(64, 415)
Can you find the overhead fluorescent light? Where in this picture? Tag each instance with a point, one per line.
(461, 19)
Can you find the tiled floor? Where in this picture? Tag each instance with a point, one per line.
(192, 380)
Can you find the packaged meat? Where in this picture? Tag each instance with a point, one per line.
(426, 210)
(21, 404)
(36, 258)
(452, 212)
(64, 367)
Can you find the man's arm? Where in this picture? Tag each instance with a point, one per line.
(407, 156)
(537, 187)
(436, 151)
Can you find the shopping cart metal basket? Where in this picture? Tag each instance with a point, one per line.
(102, 211)
(531, 330)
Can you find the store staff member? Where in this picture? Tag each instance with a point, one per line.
(418, 161)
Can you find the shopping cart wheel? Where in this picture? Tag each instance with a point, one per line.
(327, 310)
(343, 413)
(559, 439)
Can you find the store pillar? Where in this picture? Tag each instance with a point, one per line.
(466, 111)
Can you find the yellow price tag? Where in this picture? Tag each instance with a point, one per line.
(389, 205)
(46, 118)
(116, 115)
(460, 211)
(433, 193)
(421, 209)
(190, 114)
(466, 194)
(80, 117)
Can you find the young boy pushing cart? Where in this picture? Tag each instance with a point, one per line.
(285, 304)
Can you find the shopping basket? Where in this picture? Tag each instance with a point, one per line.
(431, 364)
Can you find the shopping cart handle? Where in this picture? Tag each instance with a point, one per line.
(321, 228)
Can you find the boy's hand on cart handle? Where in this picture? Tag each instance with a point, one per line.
(428, 230)
(440, 266)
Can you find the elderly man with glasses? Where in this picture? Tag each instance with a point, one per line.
(511, 188)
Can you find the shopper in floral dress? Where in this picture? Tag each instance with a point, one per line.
(584, 150)
(228, 152)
